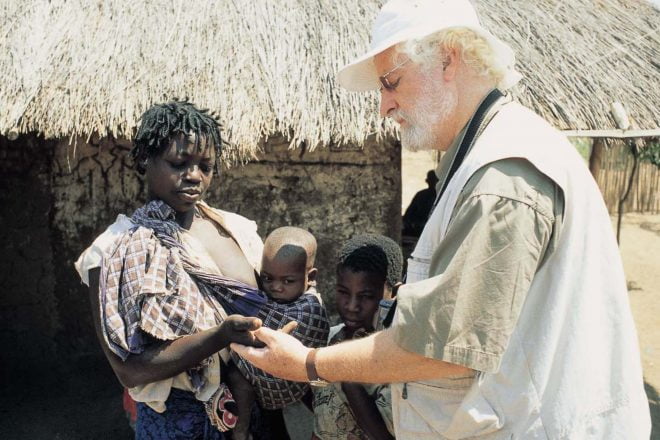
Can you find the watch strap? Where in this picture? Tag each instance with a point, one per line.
(312, 374)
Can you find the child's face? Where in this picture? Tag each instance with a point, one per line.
(357, 297)
(284, 279)
(181, 174)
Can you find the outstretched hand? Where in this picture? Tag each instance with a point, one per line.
(283, 355)
(241, 329)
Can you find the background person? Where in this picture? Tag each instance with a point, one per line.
(419, 208)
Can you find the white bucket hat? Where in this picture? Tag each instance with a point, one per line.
(403, 20)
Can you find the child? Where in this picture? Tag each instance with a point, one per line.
(287, 265)
(288, 277)
(369, 267)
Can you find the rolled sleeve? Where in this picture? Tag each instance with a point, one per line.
(483, 268)
(92, 256)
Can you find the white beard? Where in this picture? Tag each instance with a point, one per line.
(433, 108)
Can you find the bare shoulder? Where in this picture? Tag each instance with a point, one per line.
(223, 249)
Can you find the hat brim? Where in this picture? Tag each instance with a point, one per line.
(361, 75)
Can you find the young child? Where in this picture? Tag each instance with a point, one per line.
(368, 268)
(287, 264)
(288, 277)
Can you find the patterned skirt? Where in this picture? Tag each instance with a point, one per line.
(185, 418)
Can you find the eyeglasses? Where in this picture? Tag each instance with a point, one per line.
(386, 84)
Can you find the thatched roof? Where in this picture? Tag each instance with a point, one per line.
(72, 68)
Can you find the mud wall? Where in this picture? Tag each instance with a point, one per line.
(29, 309)
(58, 197)
(333, 194)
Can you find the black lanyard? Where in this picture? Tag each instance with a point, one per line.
(470, 134)
(478, 122)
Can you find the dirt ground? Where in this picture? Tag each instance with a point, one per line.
(640, 249)
(85, 402)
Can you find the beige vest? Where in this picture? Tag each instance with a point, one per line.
(572, 368)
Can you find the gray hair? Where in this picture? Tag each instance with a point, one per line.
(473, 49)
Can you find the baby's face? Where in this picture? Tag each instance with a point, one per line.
(284, 279)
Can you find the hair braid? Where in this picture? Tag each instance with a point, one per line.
(163, 121)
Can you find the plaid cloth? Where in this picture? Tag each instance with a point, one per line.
(150, 284)
(312, 331)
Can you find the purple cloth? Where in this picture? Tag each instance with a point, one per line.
(185, 418)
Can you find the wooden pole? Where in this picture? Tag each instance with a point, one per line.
(598, 150)
(631, 179)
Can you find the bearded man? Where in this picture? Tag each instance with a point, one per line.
(515, 321)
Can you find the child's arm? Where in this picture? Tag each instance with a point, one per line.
(365, 411)
(162, 360)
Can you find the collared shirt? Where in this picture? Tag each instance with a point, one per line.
(503, 227)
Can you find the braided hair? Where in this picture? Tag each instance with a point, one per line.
(161, 122)
(372, 253)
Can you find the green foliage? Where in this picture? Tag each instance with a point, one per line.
(582, 145)
(651, 153)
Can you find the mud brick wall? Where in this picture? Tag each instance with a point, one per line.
(335, 194)
(57, 197)
(29, 307)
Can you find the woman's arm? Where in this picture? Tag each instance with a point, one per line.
(365, 411)
(162, 360)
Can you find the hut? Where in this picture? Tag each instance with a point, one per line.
(76, 75)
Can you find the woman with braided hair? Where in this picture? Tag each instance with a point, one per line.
(168, 284)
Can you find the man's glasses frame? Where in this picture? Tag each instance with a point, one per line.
(385, 82)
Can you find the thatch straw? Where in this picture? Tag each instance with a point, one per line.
(73, 68)
(578, 57)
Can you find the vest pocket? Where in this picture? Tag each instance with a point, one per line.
(449, 409)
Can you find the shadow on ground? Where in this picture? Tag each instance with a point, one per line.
(654, 404)
(81, 403)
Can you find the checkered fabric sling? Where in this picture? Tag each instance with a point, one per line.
(313, 329)
(150, 284)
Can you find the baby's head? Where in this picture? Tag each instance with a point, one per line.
(368, 267)
(287, 266)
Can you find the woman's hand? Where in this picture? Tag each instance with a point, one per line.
(283, 355)
(164, 359)
(240, 330)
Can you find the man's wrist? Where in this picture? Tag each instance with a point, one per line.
(312, 374)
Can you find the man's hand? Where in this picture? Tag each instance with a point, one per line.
(241, 330)
(284, 356)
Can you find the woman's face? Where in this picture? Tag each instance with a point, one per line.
(182, 173)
